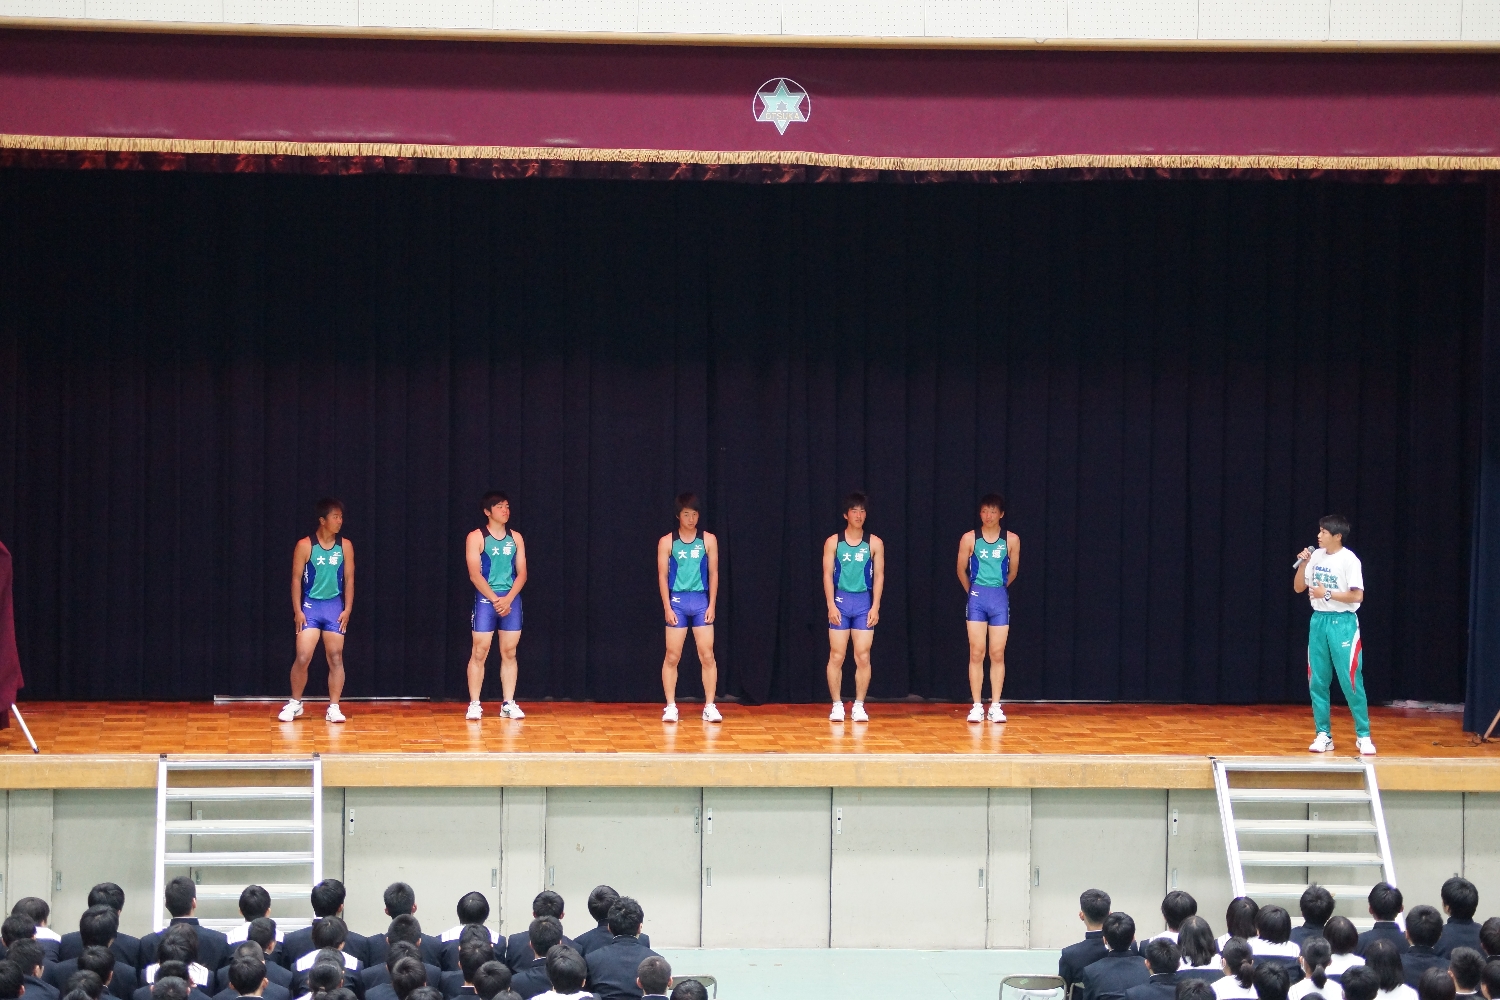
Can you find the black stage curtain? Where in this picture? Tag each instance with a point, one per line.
(1483, 700)
(1171, 381)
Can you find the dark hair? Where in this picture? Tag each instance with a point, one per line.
(490, 979)
(1196, 941)
(473, 908)
(400, 900)
(1490, 978)
(172, 968)
(1194, 988)
(1239, 960)
(262, 931)
(98, 960)
(994, 500)
(326, 976)
(99, 925)
(1335, 524)
(1424, 925)
(109, 894)
(1162, 955)
(471, 956)
(179, 942)
(625, 917)
(15, 927)
(545, 933)
(11, 980)
(26, 953)
(406, 927)
(248, 948)
(654, 974)
(1489, 937)
(327, 506)
(547, 904)
(599, 901)
(1467, 966)
(1382, 958)
(1095, 904)
(180, 895)
(1317, 953)
(1119, 931)
(1239, 920)
(246, 974)
(566, 969)
(329, 932)
(425, 992)
(1460, 897)
(255, 901)
(686, 501)
(1176, 907)
(86, 982)
(689, 989)
(1271, 981)
(473, 934)
(1273, 924)
(169, 988)
(856, 499)
(1360, 983)
(327, 897)
(35, 908)
(1436, 984)
(342, 993)
(1385, 901)
(399, 950)
(490, 499)
(1342, 935)
(1316, 905)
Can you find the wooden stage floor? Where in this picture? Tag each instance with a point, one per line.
(115, 744)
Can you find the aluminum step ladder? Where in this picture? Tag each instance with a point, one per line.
(1292, 837)
(292, 787)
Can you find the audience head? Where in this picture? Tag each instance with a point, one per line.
(689, 989)
(1239, 961)
(1094, 906)
(400, 900)
(399, 950)
(169, 988)
(473, 908)
(342, 993)
(653, 975)
(507, 994)
(426, 993)
(1162, 956)
(11, 980)
(15, 927)
(248, 948)
(329, 932)
(1342, 935)
(109, 895)
(86, 983)
(1196, 941)
(36, 909)
(1424, 925)
(1385, 901)
(1361, 984)
(178, 943)
(173, 968)
(1119, 931)
(1489, 937)
(26, 953)
(1467, 968)
(180, 896)
(255, 901)
(99, 925)
(1316, 905)
(324, 977)
(1273, 924)
(1239, 918)
(328, 897)
(1460, 898)
(247, 974)
(1194, 989)
(406, 928)
(1316, 954)
(471, 956)
(262, 931)
(545, 933)
(1489, 981)
(100, 961)
(566, 969)
(1382, 958)
(491, 979)
(1436, 984)
(1176, 907)
(1271, 980)
(549, 904)
(625, 917)
(407, 974)
(599, 901)
(473, 934)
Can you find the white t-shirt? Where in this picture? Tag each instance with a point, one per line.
(1331, 990)
(1339, 570)
(1340, 964)
(1262, 948)
(1229, 988)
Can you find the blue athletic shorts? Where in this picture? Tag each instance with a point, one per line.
(989, 604)
(691, 607)
(323, 615)
(484, 619)
(854, 611)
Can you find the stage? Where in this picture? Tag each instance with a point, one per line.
(562, 744)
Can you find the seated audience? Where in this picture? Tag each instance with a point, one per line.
(1273, 935)
(327, 901)
(1093, 907)
(405, 931)
(379, 982)
(1176, 907)
(1343, 938)
(1436, 984)
(12, 985)
(13, 928)
(1316, 954)
(1239, 971)
(211, 947)
(1316, 905)
(179, 943)
(255, 903)
(172, 969)
(1193, 989)
(401, 901)
(330, 935)
(96, 929)
(473, 952)
(127, 948)
(1162, 959)
(530, 979)
(408, 973)
(1489, 981)
(491, 978)
(1460, 901)
(1466, 966)
(1120, 968)
(278, 979)
(1382, 958)
(599, 903)
(1489, 938)
(1270, 981)
(1424, 926)
(169, 987)
(689, 989)
(247, 976)
(566, 973)
(1200, 956)
(1385, 906)
(518, 946)
(322, 978)
(473, 910)
(612, 967)
(653, 976)
(27, 953)
(85, 983)
(1239, 918)
(38, 910)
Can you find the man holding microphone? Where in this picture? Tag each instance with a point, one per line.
(1335, 583)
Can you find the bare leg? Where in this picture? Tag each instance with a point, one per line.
(333, 647)
(838, 646)
(675, 638)
(863, 640)
(976, 660)
(998, 635)
(307, 644)
(703, 637)
(509, 668)
(477, 656)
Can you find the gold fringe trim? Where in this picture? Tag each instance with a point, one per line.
(1072, 161)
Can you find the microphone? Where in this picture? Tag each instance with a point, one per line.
(1296, 565)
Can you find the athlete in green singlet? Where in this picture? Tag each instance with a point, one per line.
(496, 558)
(853, 580)
(687, 571)
(322, 598)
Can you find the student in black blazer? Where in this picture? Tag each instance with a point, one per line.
(518, 946)
(600, 901)
(1316, 905)
(1466, 966)
(654, 977)
(274, 974)
(613, 967)
(1385, 907)
(1460, 900)
(1424, 926)
(97, 929)
(401, 942)
(329, 933)
(531, 979)
(1162, 958)
(27, 953)
(401, 902)
(491, 979)
(471, 957)
(1272, 981)
(182, 902)
(248, 975)
(172, 983)
(1093, 907)
(127, 947)
(327, 901)
(1120, 968)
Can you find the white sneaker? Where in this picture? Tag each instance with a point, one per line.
(1322, 744)
(290, 710)
(475, 712)
(976, 714)
(510, 710)
(837, 715)
(711, 713)
(997, 714)
(669, 714)
(1366, 746)
(333, 714)
(857, 714)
